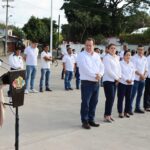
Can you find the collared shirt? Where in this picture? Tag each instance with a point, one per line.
(69, 62)
(16, 62)
(45, 64)
(127, 72)
(112, 68)
(148, 61)
(121, 54)
(31, 55)
(89, 65)
(141, 65)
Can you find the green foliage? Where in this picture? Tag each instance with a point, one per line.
(106, 17)
(137, 38)
(18, 32)
(2, 26)
(39, 30)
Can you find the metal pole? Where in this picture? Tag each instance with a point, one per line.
(58, 28)
(51, 28)
(58, 34)
(6, 29)
(17, 130)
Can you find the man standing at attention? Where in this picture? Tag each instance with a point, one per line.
(46, 59)
(68, 66)
(91, 71)
(31, 55)
(141, 67)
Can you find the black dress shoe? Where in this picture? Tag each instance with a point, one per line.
(86, 125)
(139, 111)
(70, 88)
(66, 89)
(41, 90)
(93, 124)
(131, 113)
(48, 89)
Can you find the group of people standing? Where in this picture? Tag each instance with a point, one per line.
(16, 61)
(125, 76)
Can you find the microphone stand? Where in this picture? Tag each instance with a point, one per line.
(16, 115)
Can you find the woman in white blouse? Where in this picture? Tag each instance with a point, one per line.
(111, 78)
(125, 85)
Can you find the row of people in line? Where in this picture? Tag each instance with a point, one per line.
(127, 77)
(16, 62)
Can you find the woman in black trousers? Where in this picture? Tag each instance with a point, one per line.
(125, 84)
(147, 86)
(112, 75)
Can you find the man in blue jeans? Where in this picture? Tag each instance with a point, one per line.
(31, 55)
(68, 66)
(46, 59)
(141, 67)
(91, 70)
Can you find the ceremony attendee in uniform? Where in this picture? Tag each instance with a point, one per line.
(111, 78)
(147, 86)
(141, 68)
(125, 85)
(68, 66)
(31, 55)
(46, 59)
(91, 70)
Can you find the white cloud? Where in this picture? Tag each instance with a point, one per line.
(24, 9)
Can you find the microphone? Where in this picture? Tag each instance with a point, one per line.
(1, 60)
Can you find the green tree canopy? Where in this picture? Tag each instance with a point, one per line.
(39, 30)
(111, 16)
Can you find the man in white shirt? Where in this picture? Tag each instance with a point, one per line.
(91, 70)
(125, 48)
(46, 59)
(141, 68)
(68, 66)
(64, 52)
(31, 55)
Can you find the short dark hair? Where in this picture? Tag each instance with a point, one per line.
(69, 49)
(67, 46)
(111, 44)
(45, 45)
(90, 39)
(128, 51)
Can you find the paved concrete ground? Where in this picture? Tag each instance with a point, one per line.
(51, 121)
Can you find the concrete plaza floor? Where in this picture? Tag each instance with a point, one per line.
(51, 121)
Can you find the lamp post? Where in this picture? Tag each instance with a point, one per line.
(6, 28)
(51, 28)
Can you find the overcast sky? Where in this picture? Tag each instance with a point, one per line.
(23, 9)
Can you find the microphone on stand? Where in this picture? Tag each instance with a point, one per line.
(1, 60)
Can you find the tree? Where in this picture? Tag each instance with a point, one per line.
(39, 30)
(112, 15)
(18, 32)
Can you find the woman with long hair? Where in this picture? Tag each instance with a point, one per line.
(111, 78)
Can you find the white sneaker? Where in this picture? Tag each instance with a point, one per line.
(26, 91)
(33, 91)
